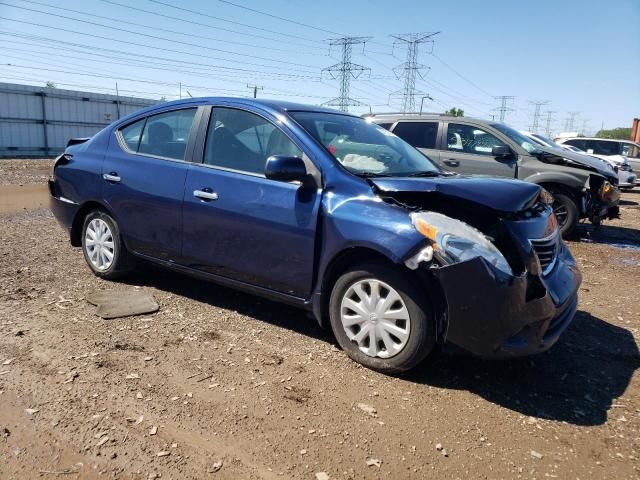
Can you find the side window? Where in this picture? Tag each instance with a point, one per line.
(243, 141)
(418, 134)
(470, 139)
(386, 126)
(603, 147)
(131, 134)
(167, 134)
(578, 143)
(630, 150)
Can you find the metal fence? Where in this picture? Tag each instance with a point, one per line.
(38, 121)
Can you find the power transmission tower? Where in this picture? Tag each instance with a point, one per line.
(583, 130)
(547, 130)
(255, 89)
(345, 71)
(410, 69)
(569, 122)
(504, 108)
(536, 114)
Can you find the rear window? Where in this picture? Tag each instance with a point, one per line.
(418, 134)
(131, 134)
(164, 135)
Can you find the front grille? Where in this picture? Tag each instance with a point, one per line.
(547, 251)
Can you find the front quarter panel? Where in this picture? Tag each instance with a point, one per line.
(364, 220)
(535, 171)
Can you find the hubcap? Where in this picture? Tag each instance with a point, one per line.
(98, 241)
(375, 318)
(560, 209)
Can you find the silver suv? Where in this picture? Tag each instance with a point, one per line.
(582, 187)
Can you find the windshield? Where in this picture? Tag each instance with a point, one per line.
(545, 140)
(522, 140)
(364, 148)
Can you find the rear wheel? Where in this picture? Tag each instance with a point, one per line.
(102, 246)
(566, 212)
(381, 319)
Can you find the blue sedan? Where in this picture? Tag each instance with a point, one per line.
(328, 212)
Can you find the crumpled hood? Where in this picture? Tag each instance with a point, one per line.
(602, 166)
(499, 194)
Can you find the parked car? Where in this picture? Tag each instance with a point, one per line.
(325, 211)
(607, 148)
(626, 176)
(582, 187)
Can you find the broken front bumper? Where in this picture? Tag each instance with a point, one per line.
(493, 314)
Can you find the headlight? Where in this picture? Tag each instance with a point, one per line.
(457, 241)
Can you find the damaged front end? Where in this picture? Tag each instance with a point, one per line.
(602, 199)
(508, 281)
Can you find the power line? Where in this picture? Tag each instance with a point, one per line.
(410, 69)
(345, 71)
(146, 35)
(202, 14)
(461, 76)
(140, 80)
(504, 108)
(206, 25)
(138, 58)
(536, 113)
(280, 18)
(157, 28)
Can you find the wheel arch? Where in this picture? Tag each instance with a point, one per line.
(352, 256)
(78, 220)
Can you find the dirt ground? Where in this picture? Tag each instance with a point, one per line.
(221, 384)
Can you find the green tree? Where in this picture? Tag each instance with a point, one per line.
(50, 84)
(456, 112)
(619, 133)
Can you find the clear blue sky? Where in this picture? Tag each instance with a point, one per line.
(581, 56)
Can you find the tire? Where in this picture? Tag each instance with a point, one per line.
(100, 228)
(415, 331)
(566, 212)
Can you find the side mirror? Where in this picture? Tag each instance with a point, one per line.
(501, 151)
(287, 169)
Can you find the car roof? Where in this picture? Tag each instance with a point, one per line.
(397, 117)
(598, 138)
(277, 106)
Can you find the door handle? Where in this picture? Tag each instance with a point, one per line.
(452, 162)
(111, 177)
(205, 195)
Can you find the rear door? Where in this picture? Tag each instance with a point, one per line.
(143, 180)
(241, 225)
(423, 135)
(466, 149)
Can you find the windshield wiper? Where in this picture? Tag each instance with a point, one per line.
(426, 173)
(372, 174)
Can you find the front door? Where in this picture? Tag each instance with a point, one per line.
(241, 225)
(143, 181)
(467, 149)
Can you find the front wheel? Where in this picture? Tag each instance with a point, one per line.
(103, 249)
(566, 212)
(381, 319)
